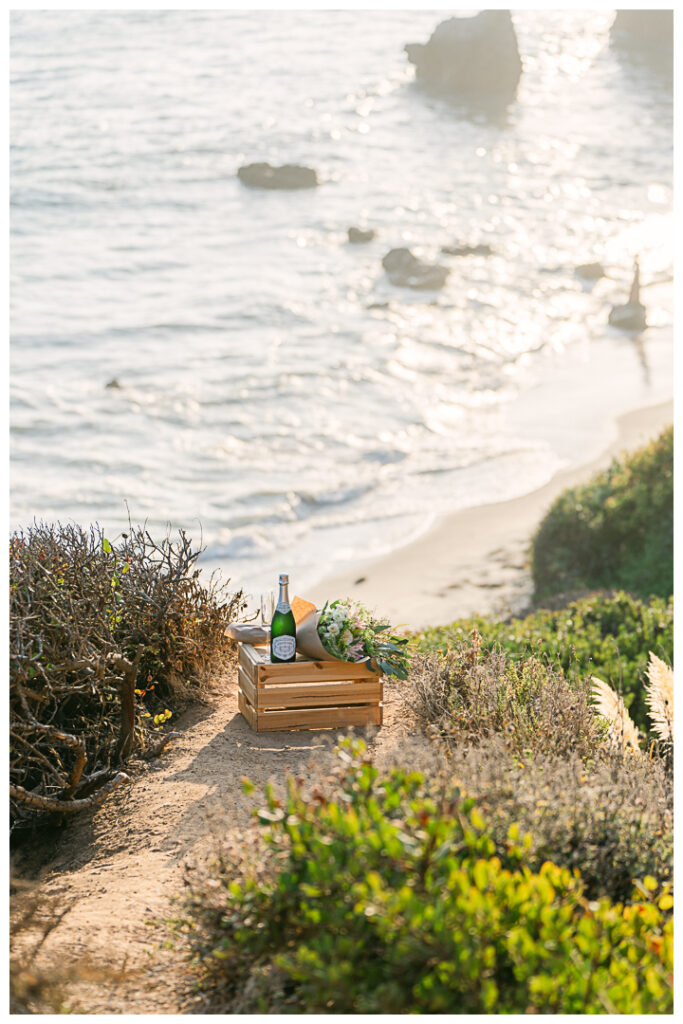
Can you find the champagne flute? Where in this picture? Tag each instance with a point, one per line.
(267, 609)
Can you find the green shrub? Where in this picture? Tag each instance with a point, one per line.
(389, 896)
(107, 640)
(614, 532)
(608, 635)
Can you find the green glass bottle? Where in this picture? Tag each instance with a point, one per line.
(283, 627)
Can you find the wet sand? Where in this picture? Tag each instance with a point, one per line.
(476, 560)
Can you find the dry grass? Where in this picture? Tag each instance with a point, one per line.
(659, 697)
(659, 701)
(622, 731)
(528, 745)
(469, 694)
(612, 822)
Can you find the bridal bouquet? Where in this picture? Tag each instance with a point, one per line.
(348, 631)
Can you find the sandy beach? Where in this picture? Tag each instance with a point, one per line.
(476, 560)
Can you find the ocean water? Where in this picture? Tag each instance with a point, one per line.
(279, 398)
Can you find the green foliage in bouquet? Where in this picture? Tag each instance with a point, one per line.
(389, 895)
(614, 531)
(608, 635)
(349, 631)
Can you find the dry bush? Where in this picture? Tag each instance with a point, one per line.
(612, 818)
(603, 634)
(612, 821)
(527, 745)
(106, 640)
(468, 694)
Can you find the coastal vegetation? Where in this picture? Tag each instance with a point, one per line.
(512, 854)
(616, 531)
(526, 741)
(386, 893)
(607, 634)
(611, 542)
(108, 640)
(520, 857)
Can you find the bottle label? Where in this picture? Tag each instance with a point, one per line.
(284, 647)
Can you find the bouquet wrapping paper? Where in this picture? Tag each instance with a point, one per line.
(307, 640)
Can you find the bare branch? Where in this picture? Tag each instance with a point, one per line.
(46, 803)
(156, 748)
(89, 618)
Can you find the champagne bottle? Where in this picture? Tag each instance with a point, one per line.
(283, 627)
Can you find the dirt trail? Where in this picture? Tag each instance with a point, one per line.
(121, 865)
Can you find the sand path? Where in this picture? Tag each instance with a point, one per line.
(121, 865)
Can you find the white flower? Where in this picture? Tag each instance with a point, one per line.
(332, 629)
(347, 637)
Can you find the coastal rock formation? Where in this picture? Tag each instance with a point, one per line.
(407, 271)
(590, 271)
(470, 56)
(467, 250)
(648, 27)
(264, 175)
(358, 235)
(631, 315)
(646, 37)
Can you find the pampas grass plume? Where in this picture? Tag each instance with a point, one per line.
(608, 704)
(659, 697)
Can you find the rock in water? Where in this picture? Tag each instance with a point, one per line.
(649, 27)
(358, 235)
(631, 315)
(407, 271)
(114, 384)
(590, 271)
(470, 56)
(287, 176)
(467, 250)
(646, 37)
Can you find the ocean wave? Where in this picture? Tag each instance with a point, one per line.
(339, 496)
(385, 456)
(243, 545)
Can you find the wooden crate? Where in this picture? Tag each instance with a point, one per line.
(305, 694)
